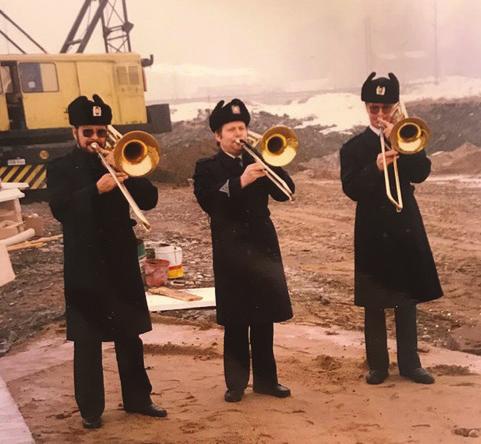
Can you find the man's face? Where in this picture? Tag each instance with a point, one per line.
(85, 135)
(228, 135)
(378, 111)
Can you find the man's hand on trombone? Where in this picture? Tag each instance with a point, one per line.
(390, 156)
(252, 172)
(108, 155)
(385, 126)
(107, 182)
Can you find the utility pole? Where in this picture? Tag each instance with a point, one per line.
(368, 43)
(436, 49)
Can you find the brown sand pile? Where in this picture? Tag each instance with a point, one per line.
(325, 167)
(465, 159)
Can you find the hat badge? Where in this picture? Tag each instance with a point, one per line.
(96, 111)
(380, 90)
(235, 109)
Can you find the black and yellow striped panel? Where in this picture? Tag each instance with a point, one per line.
(34, 175)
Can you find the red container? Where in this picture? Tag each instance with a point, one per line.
(155, 272)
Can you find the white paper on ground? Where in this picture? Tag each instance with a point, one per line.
(163, 303)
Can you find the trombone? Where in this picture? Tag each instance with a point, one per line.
(409, 135)
(277, 147)
(137, 154)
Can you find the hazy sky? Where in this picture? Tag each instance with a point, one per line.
(202, 45)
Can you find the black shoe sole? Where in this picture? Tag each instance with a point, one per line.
(92, 424)
(233, 398)
(419, 381)
(285, 394)
(152, 415)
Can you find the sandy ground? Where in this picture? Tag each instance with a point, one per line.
(320, 352)
(324, 368)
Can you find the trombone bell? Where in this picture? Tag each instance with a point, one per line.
(136, 153)
(410, 135)
(278, 145)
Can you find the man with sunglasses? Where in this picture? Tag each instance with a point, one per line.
(394, 266)
(104, 294)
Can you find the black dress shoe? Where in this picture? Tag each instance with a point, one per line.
(150, 410)
(92, 423)
(278, 390)
(418, 375)
(233, 395)
(375, 377)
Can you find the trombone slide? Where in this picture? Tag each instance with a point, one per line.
(397, 203)
(273, 176)
(409, 135)
(135, 208)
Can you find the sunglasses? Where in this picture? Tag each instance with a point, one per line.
(375, 109)
(89, 132)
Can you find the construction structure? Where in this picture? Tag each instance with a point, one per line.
(36, 88)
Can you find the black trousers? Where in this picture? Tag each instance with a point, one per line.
(89, 380)
(237, 356)
(406, 338)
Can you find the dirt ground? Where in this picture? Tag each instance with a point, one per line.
(320, 352)
(331, 402)
(316, 237)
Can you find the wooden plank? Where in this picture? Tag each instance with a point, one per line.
(175, 294)
(35, 243)
(49, 238)
(24, 245)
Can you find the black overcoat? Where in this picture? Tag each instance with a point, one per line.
(104, 294)
(393, 261)
(250, 284)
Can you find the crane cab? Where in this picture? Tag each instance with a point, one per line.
(35, 91)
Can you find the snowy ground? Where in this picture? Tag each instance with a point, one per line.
(343, 111)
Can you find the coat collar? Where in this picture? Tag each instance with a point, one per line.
(229, 162)
(375, 130)
(369, 132)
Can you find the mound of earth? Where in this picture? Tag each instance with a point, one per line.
(453, 124)
(325, 167)
(192, 140)
(465, 159)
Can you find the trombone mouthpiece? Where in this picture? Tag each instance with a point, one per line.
(244, 143)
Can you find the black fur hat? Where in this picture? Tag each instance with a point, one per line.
(380, 90)
(231, 112)
(83, 111)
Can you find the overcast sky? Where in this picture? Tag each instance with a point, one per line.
(202, 45)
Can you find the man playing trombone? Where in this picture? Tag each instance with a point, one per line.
(104, 294)
(394, 266)
(250, 286)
